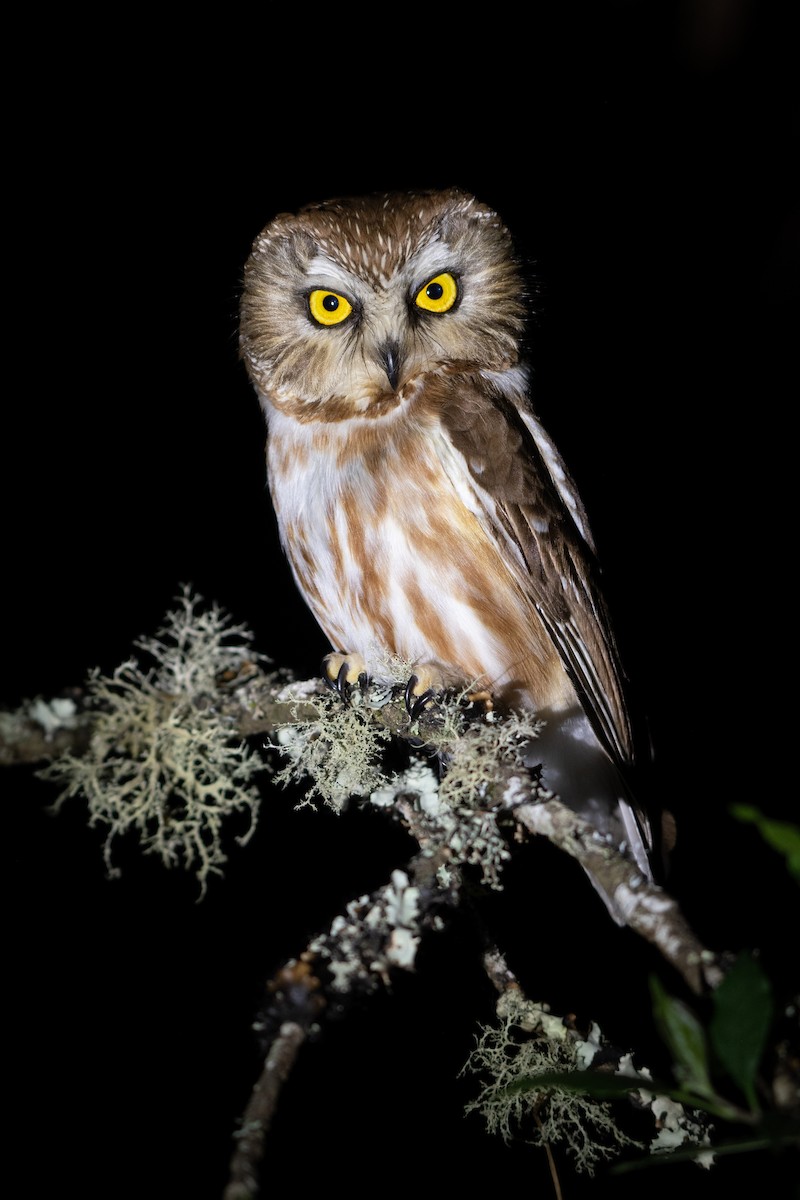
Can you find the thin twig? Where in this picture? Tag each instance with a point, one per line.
(243, 1182)
(551, 1162)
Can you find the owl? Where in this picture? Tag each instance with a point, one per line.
(424, 509)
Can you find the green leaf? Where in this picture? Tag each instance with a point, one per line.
(686, 1038)
(602, 1084)
(781, 835)
(740, 1023)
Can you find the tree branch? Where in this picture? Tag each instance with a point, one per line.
(257, 1119)
(253, 702)
(460, 816)
(648, 909)
(375, 936)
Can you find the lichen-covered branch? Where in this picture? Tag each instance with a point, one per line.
(173, 752)
(547, 1081)
(463, 816)
(376, 935)
(173, 749)
(40, 730)
(648, 909)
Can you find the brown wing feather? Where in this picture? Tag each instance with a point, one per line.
(560, 571)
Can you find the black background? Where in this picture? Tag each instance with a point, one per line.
(642, 156)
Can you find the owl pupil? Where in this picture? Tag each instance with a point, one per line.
(434, 291)
(330, 303)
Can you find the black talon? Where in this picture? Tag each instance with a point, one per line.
(415, 704)
(409, 692)
(339, 684)
(342, 685)
(420, 703)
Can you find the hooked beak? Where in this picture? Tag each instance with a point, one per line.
(390, 359)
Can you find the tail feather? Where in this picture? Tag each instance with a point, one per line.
(578, 769)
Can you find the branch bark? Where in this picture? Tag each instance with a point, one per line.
(648, 909)
(243, 1180)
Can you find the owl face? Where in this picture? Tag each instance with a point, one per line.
(349, 304)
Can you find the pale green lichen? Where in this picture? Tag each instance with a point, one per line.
(52, 715)
(677, 1127)
(462, 813)
(337, 754)
(480, 757)
(375, 934)
(418, 780)
(162, 761)
(519, 1049)
(340, 754)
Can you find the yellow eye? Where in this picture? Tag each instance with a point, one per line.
(328, 308)
(439, 295)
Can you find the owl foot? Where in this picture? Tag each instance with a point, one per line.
(480, 696)
(343, 672)
(428, 687)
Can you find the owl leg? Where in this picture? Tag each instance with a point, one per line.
(343, 672)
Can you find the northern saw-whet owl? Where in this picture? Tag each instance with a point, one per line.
(422, 506)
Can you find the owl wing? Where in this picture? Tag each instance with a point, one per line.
(528, 495)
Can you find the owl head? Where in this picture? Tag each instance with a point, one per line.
(349, 304)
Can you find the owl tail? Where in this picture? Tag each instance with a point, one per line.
(577, 768)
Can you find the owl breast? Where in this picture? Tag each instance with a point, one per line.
(395, 551)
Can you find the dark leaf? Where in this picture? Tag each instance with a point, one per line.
(781, 835)
(686, 1038)
(740, 1023)
(602, 1084)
